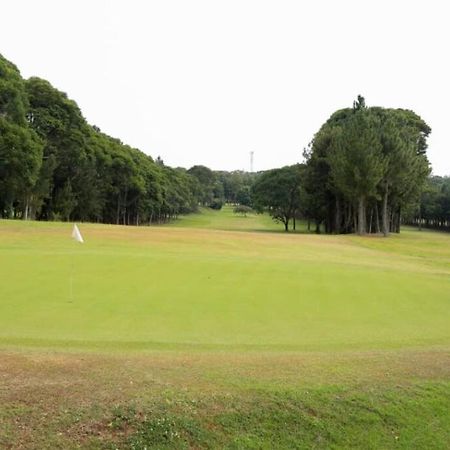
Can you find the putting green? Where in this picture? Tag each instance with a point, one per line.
(201, 284)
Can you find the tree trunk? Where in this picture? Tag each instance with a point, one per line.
(377, 218)
(391, 221)
(399, 218)
(286, 224)
(361, 216)
(348, 219)
(384, 212)
(317, 227)
(293, 223)
(118, 210)
(26, 210)
(337, 217)
(420, 218)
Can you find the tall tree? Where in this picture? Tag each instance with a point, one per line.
(20, 147)
(357, 162)
(366, 160)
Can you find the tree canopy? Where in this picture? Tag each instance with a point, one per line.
(54, 165)
(278, 192)
(363, 166)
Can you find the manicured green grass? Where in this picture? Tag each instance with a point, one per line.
(219, 331)
(227, 220)
(173, 287)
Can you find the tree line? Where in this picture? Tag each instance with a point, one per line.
(365, 170)
(56, 166)
(433, 210)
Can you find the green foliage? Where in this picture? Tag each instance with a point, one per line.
(433, 210)
(20, 164)
(13, 99)
(236, 186)
(242, 209)
(163, 432)
(206, 183)
(20, 147)
(356, 160)
(216, 203)
(364, 166)
(278, 191)
(243, 196)
(54, 165)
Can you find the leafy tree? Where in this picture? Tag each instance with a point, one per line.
(278, 191)
(20, 162)
(243, 196)
(13, 98)
(20, 147)
(206, 178)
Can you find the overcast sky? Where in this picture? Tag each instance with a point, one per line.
(206, 82)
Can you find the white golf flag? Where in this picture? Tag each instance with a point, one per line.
(76, 234)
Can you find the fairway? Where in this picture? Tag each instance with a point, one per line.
(220, 331)
(188, 287)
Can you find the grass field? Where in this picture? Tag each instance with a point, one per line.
(222, 331)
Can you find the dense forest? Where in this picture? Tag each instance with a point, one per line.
(55, 166)
(365, 171)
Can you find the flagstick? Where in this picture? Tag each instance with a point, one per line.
(71, 279)
(77, 236)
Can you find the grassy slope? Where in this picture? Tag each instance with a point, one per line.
(221, 338)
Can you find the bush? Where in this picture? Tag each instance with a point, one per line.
(243, 209)
(216, 204)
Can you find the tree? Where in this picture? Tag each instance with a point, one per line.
(20, 147)
(206, 178)
(363, 163)
(13, 98)
(279, 192)
(20, 162)
(357, 163)
(404, 145)
(54, 165)
(243, 196)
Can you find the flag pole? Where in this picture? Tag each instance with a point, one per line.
(71, 278)
(78, 238)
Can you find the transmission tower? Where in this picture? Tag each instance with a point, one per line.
(251, 161)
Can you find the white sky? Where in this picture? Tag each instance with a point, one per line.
(206, 82)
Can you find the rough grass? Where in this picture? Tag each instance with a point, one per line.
(202, 335)
(390, 399)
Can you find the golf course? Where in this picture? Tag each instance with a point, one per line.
(222, 331)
